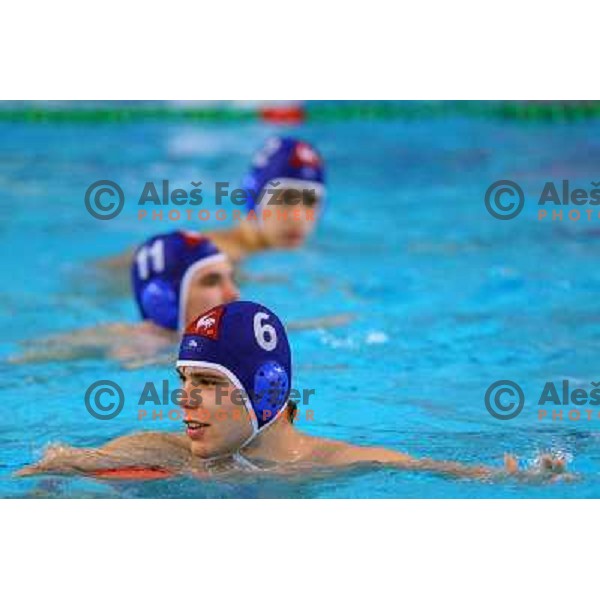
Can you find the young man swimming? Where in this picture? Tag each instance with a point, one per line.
(175, 276)
(235, 366)
(285, 191)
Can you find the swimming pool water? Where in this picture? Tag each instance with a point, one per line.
(447, 299)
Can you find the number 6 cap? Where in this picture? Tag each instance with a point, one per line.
(247, 343)
(162, 270)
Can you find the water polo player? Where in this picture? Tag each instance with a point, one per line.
(175, 276)
(236, 370)
(285, 190)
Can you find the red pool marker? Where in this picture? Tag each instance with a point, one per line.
(282, 114)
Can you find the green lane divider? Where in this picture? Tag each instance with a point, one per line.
(553, 111)
(38, 114)
(522, 111)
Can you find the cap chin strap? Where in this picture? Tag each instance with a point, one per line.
(184, 287)
(244, 462)
(257, 431)
(236, 457)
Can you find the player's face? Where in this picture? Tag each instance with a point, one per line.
(290, 221)
(215, 416)
(212, 285)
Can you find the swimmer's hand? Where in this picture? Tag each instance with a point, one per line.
(545, 468)
(57, 459)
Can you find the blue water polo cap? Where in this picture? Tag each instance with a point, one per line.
(161, 272)
(247, 343)
(289, 162)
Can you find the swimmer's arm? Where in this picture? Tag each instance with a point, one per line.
(321, 322)
(351, 455)
(89, 341)
(42, 355)
(151, 449)
(152, 361)
(60, 346)
(347, 455)
(118, 262)
(243, 276)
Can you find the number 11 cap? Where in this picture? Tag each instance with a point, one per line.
(247, 343)
(161, 273)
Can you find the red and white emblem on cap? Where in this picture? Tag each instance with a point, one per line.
(191, 238)
(304, 156)
(208, 324)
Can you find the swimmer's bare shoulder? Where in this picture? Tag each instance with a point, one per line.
(334, 453)
(229, 242)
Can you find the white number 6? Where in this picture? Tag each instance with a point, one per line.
(261, 331)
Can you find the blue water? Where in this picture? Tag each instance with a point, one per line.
(447, 299)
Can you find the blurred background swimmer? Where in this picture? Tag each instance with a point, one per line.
(285, 192)
(174, 276)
